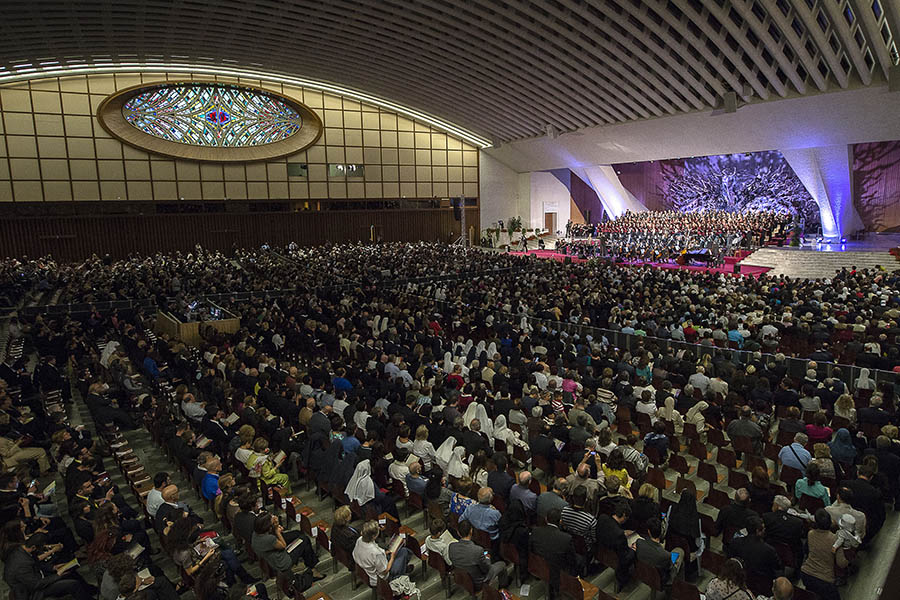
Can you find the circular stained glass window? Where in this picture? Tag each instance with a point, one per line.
(213, 122)
(210, 115)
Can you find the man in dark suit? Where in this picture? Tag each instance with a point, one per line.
(22, 573)
(759, 558)
(500, 481)
(543, 445)
(650, 551)
(611, 536)
(873, 413)
(245, 518)
(472, 558)
(556, 547)
(734, 517)
(888, 463)
(473, 440)
(867, 499)
(785, 528)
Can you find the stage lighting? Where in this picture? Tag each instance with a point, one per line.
(843, 240)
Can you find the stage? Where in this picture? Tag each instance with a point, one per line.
(727, 268)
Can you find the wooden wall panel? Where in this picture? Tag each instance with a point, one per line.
(73, 238)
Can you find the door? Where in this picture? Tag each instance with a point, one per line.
(550, 221)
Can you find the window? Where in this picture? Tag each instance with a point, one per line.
(297, 170)
(212, 115)
(346, 170)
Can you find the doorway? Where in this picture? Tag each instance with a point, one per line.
(550, 222)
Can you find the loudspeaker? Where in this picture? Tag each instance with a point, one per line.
(894, 78)
(457, 211)
(737, 269)
(729, 102)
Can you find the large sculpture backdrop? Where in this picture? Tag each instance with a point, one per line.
(734, 182)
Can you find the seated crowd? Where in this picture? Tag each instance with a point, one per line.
(521, 443)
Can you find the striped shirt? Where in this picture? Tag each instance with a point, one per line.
(579, 522)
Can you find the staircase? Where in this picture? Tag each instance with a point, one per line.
(811, 264)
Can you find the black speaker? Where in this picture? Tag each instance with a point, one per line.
(737, 269)
(457, 211)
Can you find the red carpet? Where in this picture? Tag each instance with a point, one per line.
(728, 267)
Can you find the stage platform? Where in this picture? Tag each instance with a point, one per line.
(727, 268)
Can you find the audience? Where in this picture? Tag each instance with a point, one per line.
(363, 386)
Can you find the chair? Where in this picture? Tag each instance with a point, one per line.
(690, 431)
(707, 472)
(790, 475)
(686, 484)
(538, 567)
(610, 560)
(751, 461)
(810, 503)
(462, 578)
(742, 443)
(657, 478)
(648, 575)
(717, 498)
(653, 454)
(679, 464)
(482, 538)
(437, 562)
(712, 561)
(716, 437)
(383, 590)
(576, 588)
(343, 557)
(698, 450)
(737, 479)
(726, 458)
(682, 590)
(708, 526)
(360, 576)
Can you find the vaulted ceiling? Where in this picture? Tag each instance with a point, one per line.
(503, 69)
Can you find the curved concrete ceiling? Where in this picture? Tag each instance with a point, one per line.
(508, 70)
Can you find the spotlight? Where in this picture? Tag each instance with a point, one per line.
(843, 240)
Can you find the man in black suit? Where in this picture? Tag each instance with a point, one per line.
(472, 558)
(759, 558)
(888, 463)
(500, 481)
(556, 547)
(785, 528)
(873, 413)
(473, 440)
(611, 536)
(245, 518)
(867, 499)
(650, 551)
(734, 517)
(543, 445)
(22, 573)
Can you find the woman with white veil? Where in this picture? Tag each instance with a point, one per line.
(445, 453)
(668, 413)
(362, 489)
(864, 382)
(457, 467)
(478, 411)
(507, 435)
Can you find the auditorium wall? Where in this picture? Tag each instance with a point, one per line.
(876, 184)
(54, 154)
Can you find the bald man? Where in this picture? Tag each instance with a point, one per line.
(483, 516)
(582, 476)
(522, 492)
(782, 589)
